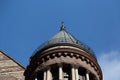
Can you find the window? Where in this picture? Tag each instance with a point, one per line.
(66, 72)
(81, 77)
(66, 76)
(81, 74)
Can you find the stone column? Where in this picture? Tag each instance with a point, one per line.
(60, 73)
(87, 76)
(76, 74)
(45, 75)
(36, 77)
(49, 75)
(73, 73)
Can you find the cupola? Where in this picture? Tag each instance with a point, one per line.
(63, 57)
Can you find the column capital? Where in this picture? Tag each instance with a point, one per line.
(60, 64)
(48, 67)
(75, 66)
(72, 65)
(87, 71)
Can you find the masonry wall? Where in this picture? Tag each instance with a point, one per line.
(10, 69)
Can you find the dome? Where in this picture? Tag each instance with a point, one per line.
(64, 38)
(62, 55)
(61, 37)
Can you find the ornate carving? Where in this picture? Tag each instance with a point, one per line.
(60, 56)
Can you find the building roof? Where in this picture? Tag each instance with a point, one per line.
(9, 68)
(3, 53)
(64, 37)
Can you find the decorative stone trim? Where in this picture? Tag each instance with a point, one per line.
(65, 52)
(71, 55)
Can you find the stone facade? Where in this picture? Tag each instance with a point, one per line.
(10, 69)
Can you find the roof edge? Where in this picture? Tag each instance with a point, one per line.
(63, 44)
(13, 59)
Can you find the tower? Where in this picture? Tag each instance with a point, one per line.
(63, 57)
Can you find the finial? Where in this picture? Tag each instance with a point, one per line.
(63, 26)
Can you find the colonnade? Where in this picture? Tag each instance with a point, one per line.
(47, 75)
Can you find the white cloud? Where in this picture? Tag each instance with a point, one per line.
(110, 64)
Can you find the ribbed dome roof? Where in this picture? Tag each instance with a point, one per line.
(63, 37)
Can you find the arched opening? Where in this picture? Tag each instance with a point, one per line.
(55, 72)
(92, 77)
(39, 75)
(66, 72)
(81, 74)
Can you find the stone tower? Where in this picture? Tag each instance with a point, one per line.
(63, 57)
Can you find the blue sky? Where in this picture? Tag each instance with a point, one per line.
(26, 24)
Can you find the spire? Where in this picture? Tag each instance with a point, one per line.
(62, 27)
